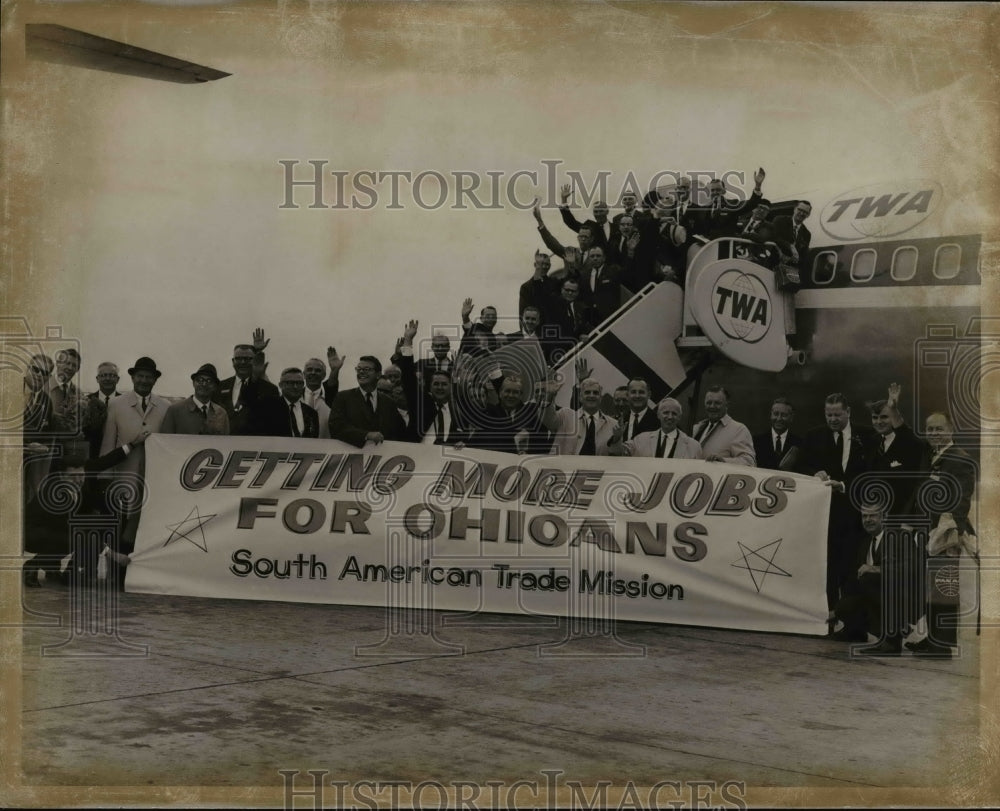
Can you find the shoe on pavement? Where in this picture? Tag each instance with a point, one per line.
(883, 648)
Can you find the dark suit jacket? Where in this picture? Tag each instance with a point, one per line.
(330, 390)
(600, 238)
(351, 419)
(899, 466)
(48, 532)
(567, 327)
(535, 293)
(95, 412)
(764, 451)
(270, 417)
(649, 422)
(423, 407)
(782, 230)
(496, 429)
(241, 418)
(425, 367)
(954, 464)
(723, 223)
(37, 422)
(820, 453)
(607, 297)
(639, 269)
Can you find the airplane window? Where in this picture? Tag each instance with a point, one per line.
(824, 267)
(947, 261)
(904, 263)
(863, 265)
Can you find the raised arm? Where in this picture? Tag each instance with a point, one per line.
(550, 241)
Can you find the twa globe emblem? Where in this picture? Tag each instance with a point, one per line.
(741, 306)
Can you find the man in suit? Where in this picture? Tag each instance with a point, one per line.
(479, 335)
(198, 414)
(363, 415)
(439, 361)
(512, 425)
(600, 227)
(531, 321)
(872, 595)
(128, 416)
(36, 424)
(749, 227)
(314, 396)
(286, 415)
(630, 202)
(722, 438)
(948, 465)
(95, 407)
(666, 442)
(719, 218)
(538, 289)
(584, 431)
(64, 392)
(670, 237)
(835, 454)
(634, 251)
(433, 417)
(239, 394)
(640, 417)
(569, 317)
(792, 235)
(48, 533)
(601, 285)
(895, 453)
(573, 258)
(67, 365)
(778, 449)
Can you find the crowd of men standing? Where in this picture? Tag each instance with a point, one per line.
(448, 399)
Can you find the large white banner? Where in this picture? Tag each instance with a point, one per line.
(404, 525)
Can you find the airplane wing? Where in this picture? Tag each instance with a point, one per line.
(68, 46)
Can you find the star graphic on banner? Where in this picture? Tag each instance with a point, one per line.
(760, 563)
(191, 529)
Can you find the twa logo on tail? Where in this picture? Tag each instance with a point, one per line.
(880, 210)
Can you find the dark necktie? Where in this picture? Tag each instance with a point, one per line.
(371, 402)
(589, 447)
(661, 445)
(777, 446)
(876, 554)
(706, 431)
(838, 441)
(107, 399)
(633, 425)
(439, 426)
(143, 405)
(204, 412)
(885, 444)
(65, 389)
(292, 421)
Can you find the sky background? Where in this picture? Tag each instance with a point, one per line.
(144, 217)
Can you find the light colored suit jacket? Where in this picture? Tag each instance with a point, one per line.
(731, 440)
(645, 445)
(125, 421)
(185, 418)
(572, 431)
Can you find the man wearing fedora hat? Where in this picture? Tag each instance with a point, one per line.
(198, 414)
(128, 416)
